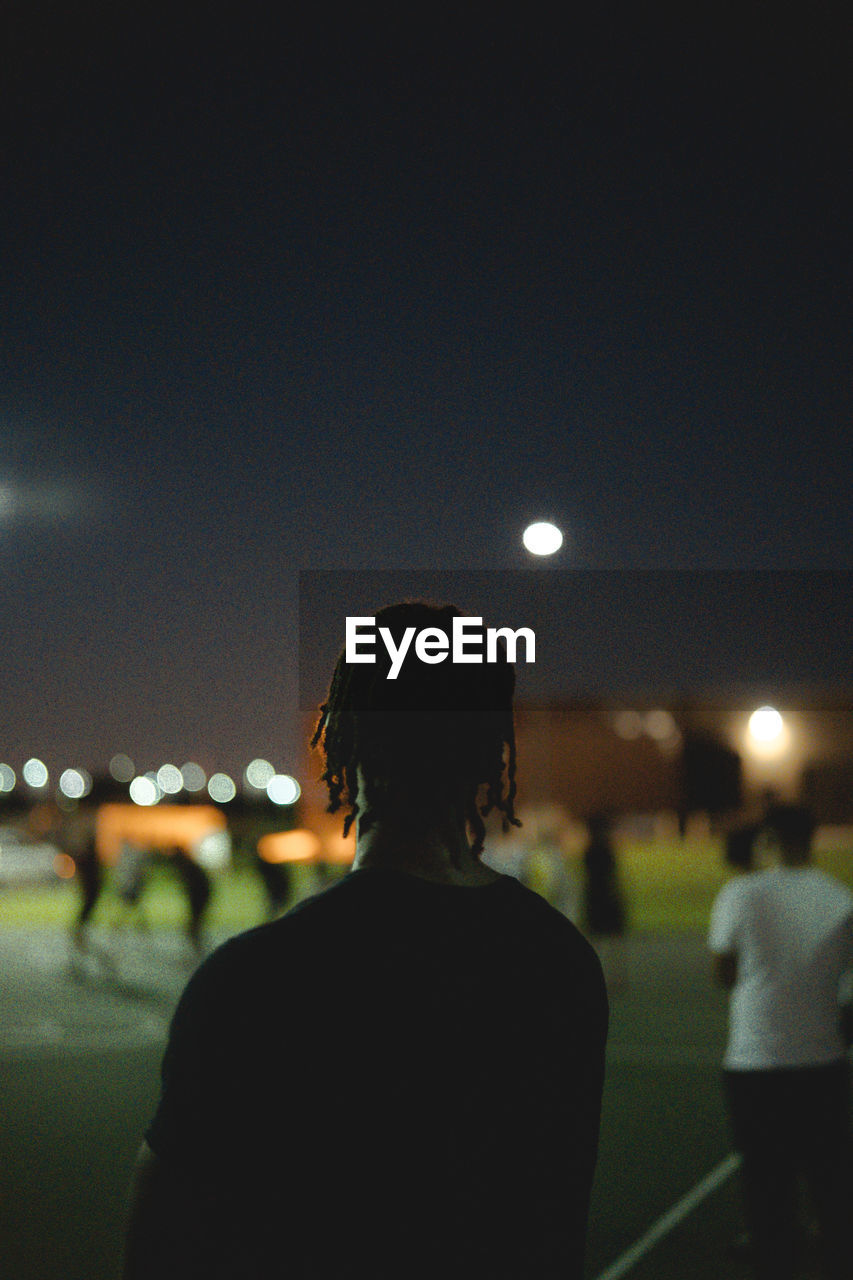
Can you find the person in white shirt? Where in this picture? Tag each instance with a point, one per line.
(782, 942)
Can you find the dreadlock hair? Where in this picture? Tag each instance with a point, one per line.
(438, 735)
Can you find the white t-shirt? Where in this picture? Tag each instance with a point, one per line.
(792, 931)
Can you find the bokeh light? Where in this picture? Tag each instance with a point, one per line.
(768, 736)
(194, 776)
(151, 775)
(259, 773)
(64, 866)
(660, 725)
(766, 725)
(35, 773)
(72, 784)
(213, 851)
(122, 767)
(144, 791)
(170, 780)
(628, 725)
(221, 788)
(282, 789)
(289, 846)
(542, 538)
(7, 778)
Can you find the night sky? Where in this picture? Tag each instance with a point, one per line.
(373, 292)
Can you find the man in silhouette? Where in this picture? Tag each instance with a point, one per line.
(402, 1076)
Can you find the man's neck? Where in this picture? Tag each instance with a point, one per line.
(440, 853)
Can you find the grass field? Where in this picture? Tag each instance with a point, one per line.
(237, 902)
(73, 1120)
(669, 886)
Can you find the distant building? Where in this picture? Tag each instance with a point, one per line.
(684, 757)
(699, 755)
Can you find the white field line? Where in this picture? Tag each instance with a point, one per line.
(679, 1211)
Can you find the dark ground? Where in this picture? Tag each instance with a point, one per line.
(79, 1059)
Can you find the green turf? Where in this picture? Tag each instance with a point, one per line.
(237, 902)
(669, 886)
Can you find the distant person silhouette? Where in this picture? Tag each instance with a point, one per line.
(740, 846)
(129, 881)
(277, 879)
(782, 940)
(77, 838)
(196, 885)
(400, 1078)
(604, 913)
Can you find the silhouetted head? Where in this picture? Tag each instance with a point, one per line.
(740, 847)
(792, 827)
(436, 740)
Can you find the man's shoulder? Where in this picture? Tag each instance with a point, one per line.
(810, 883)
(832, 886)
(740, 888)
(540, 914)
(255, 946)
(367, 911)
(549, 944)
(832, 898)
(297, 926)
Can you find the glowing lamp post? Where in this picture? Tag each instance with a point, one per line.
(772, 751)
(768, 735)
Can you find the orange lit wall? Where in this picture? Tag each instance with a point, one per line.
(322, 843)
(157, 827)
(289, 846)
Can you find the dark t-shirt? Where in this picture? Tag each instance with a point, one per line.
(397, 1078)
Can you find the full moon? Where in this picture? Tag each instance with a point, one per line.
(542, 539)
